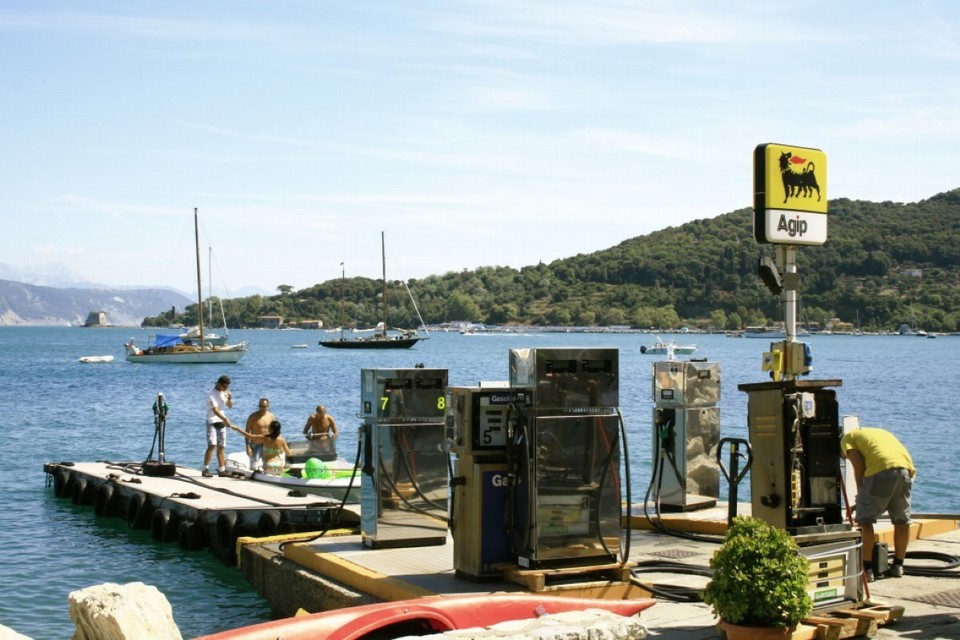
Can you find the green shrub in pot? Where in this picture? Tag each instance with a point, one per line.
(760, 578)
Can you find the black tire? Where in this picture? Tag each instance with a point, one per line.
(77, 490)
(138, 512)
(227, 532)
(269, 523)
(190, 536)
(163, 525)
(60, 478)
(62, 484)
(103, 503)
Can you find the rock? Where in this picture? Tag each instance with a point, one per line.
(122, 612)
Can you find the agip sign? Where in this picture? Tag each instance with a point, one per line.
(790, 194)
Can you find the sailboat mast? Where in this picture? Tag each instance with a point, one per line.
(343, 275)
(196, 238)
(383, 257)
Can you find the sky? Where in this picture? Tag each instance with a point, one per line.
(470, 132)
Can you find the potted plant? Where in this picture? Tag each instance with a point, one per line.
(760, 580)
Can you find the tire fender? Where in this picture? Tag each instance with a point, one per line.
(103, 503)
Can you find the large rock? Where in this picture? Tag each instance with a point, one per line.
(122, 612)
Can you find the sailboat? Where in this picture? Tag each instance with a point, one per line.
(173, 348)
(382, 339)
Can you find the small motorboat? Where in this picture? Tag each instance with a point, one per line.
(423, 616)
(662, 348)
(332, 479)
(95, 359)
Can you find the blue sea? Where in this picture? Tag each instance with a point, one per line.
(57, 409)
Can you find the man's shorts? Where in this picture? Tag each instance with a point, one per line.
(217, 434)
(885, 491)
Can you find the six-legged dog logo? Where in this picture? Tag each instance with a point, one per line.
(797, 184)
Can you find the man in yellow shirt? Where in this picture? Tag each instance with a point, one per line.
(884, 473)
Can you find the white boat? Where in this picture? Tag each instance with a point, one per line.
(661, 348)
(332, 479)
(174, 349)
(769, 333)
(96, 359)
(193, 334)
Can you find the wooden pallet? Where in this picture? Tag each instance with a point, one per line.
(541, 579)
(847, 623)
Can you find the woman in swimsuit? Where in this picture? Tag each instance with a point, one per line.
(275, 448)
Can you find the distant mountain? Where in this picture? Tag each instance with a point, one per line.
(28, 304)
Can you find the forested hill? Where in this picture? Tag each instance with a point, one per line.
(885, 263)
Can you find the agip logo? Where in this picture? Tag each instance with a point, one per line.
(790, 195)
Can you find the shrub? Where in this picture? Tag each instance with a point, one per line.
(760, 578)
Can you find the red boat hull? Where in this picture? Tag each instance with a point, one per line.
(423, 616)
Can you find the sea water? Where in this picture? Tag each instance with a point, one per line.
(55, 408)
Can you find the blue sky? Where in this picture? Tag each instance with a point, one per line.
(473, 132)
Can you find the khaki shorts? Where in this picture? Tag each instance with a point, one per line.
(885, 491)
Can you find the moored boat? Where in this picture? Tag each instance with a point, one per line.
(333, 479)
(423, 616)
(175, 348)
(172, 349)
(660, 347)
(770, 333)
(383, 338)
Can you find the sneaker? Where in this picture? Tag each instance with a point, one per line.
(870, 576)
(896, 571)
(206, 473)
(224, 474)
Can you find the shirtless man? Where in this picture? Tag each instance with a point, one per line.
(258, 424)
(321, 431)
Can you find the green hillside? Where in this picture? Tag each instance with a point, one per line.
(886, 263)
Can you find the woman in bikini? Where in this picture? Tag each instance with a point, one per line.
(275, 448)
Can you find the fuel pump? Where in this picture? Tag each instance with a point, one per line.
(478, 419)
(563, 455)
(403, 497)
(686, 434)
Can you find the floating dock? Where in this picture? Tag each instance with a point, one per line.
(194, 511)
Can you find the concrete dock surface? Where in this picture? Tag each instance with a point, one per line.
(348, 573)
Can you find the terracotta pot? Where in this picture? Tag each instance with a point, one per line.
(739, 632)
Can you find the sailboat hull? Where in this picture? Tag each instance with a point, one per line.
(228, 354)
(371, 343)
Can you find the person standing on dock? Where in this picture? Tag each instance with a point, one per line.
(884, 472)
(258, 423)
(218, 401)
(321, 430)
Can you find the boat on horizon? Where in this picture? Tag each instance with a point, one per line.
(176, 349)
(770, 333)
(383, 338)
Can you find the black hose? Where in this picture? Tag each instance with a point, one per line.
(671, 592)
(946, 571)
